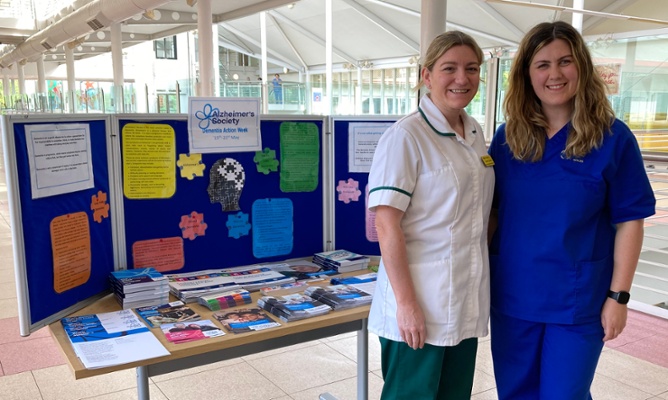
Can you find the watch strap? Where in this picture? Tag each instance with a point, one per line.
(620, 297)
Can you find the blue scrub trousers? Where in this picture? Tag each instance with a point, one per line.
(541, 361)
(429, 373)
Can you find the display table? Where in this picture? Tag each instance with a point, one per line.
(210, 350)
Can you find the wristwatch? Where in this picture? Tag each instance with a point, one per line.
(620, 297)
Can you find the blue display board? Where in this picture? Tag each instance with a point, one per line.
(149, 220)
(38, 214)
(350, 219)
(306, 222)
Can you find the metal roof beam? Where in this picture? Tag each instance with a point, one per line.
(283, 60)
(313, 36)
(395, 7)
(456, 26)
(251, 10)
(240, 43)
(384, 25)
(615, 7)
(125, 37)
(585, 12)
(289, 42)
(494, 14)
(166, 18)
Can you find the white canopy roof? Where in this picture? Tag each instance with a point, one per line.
(378, 31)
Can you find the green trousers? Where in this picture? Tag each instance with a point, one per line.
(430, 373)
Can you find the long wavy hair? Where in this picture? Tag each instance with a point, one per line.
(444, 42)
(526, 124)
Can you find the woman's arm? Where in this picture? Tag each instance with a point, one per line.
(628, 243)
(393, 250)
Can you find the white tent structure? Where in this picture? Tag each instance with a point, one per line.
(371, 31)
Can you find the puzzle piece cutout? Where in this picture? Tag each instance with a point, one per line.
(348, 190)
(192, 225)
(237, 225)
(266, 161)
(191, 165)
(98, 203)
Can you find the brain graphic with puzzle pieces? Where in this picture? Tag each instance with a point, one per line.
(192, 225)
(191, 165)
(99, 206)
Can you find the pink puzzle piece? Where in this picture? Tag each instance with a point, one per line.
(348, 190)
(192, 225)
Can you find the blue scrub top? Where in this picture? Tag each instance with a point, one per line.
(551, 258)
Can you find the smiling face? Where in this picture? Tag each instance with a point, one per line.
(554, 76)
(454, 79)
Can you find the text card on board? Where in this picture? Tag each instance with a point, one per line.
(224, 124)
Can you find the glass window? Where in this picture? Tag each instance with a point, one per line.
(165, 48)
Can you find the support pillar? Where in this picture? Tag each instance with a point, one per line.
(117, 66)
(205, 31)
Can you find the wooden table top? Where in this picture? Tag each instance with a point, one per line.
(182, 350)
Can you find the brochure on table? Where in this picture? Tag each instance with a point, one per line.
(113, 338)
(154, 203)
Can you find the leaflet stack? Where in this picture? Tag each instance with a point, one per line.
(140, 287)
(189, 286)
(293, 307)
(341, 260)
(339, 297)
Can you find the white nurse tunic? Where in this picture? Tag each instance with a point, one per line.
(440, 182)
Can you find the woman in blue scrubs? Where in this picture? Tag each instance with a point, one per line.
(570, 200)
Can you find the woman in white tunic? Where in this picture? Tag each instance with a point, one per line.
(431, 185)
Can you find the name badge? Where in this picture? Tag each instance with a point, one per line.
(487, 160)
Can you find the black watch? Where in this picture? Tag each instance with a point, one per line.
(620, 297)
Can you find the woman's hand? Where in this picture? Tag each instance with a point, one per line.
(412, 324)
(613, 319)
(410, 318)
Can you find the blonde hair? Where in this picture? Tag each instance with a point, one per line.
(444, 42)
(526, 124)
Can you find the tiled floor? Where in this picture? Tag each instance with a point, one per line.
(634, 366)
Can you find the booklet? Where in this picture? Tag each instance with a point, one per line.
(181, 332)
(245, 320)
(114, 338)
(339, 297)
(169, 313)
(293, 307)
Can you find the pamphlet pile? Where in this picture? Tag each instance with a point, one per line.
(169, 313)
(293, 307)
(339, 297)
(189, 286)
(181, 332)
(341, 260)
(139, 287)
(114, 338)
(245, 320)
(254, 277)
(227, 299)
(356, 279)
(286, 288)
(365, 282)
(302, 270)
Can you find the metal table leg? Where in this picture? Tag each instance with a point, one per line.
(142, 383)
(363, 362)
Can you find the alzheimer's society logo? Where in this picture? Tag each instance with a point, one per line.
(204, 116)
